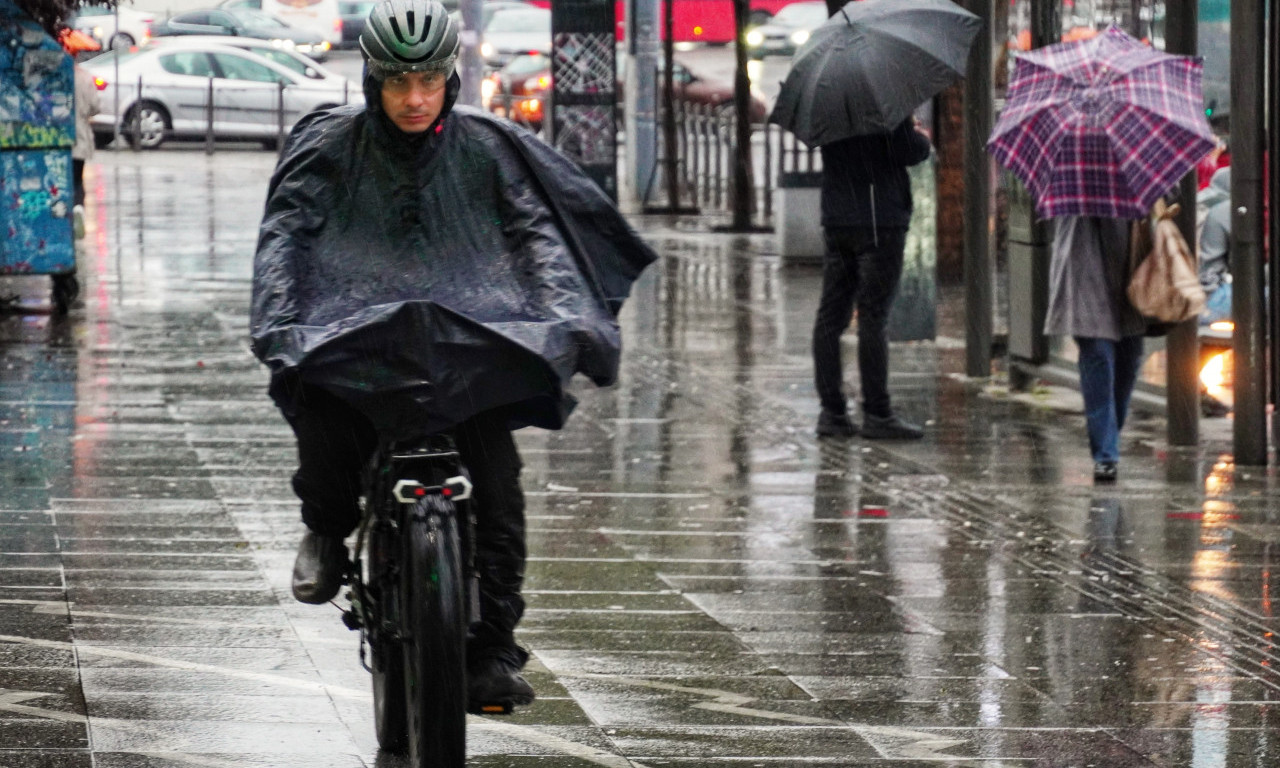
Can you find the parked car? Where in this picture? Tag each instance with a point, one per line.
(175, 83)
(520, 91)
(99, 22)
(243, 22)
(354, 13)
(288, 58)
(323, 17)
(511, 31)
(787, 31)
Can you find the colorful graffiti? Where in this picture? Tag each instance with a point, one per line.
(37, 129)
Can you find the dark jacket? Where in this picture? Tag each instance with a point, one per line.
(864, 178)
(425, 278)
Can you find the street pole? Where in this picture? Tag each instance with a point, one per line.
(641, 92)
(1248, 300)
(1182, 347)
(1273, 90)
(977, 198)
(742, 192)
(472, 70)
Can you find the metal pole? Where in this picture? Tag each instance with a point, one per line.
(641, 92)
(1248, 302)
(1182, 347)
(136, 141)
(742, 123)
(280, 116)
(208, 129)
(1273, 90)
(977, 198)
(471, 69)
(669, 99)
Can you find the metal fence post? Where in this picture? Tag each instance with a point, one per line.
(135, 122)
(208, 123)
(279, 115)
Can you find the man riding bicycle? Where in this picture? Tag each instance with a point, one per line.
(423, 268)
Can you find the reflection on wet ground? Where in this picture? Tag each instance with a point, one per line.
(710, 585)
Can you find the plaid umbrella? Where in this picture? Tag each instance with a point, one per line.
(1101, 127)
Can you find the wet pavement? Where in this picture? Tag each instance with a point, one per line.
(709, 585)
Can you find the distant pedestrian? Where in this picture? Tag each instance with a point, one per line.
(1215, 247)
(87, 104)
(1087, 281)
(866, 210)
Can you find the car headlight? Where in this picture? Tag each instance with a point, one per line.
(486, 50)
(800, 36)
(755, 38)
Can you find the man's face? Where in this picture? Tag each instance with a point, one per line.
(413, 100)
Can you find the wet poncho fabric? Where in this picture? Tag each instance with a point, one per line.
(426, 278)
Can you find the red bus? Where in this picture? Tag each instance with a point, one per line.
(698, 21)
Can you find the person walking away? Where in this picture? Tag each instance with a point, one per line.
(866, 211)
(1088, 271)
(87, 104)
(407, 218)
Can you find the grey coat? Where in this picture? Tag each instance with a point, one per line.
(1087, 277)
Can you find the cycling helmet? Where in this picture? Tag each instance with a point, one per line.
(409, 36)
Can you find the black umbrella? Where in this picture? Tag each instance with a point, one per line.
(869, 66)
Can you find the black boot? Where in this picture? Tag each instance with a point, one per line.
(493, 677)
(320, 568)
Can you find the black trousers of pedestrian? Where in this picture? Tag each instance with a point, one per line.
(77, 175)
(335, 443)
(861, 269)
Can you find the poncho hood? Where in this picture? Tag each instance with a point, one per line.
(480, 271)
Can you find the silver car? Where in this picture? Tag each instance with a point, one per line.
(176, 81)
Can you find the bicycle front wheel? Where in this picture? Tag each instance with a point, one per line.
(434, 650)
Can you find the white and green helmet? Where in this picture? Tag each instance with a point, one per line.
(409, 36)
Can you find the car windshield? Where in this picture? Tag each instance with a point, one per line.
(802, 15)
(252, 17)
(531, 20)
(108, 58)
(527, 65)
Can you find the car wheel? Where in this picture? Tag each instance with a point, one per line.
(152, 123)
(121, 40)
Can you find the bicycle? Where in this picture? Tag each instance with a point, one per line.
(413, 593)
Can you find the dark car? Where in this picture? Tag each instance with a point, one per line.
(354, 13)
(520, 90)
(244, 22)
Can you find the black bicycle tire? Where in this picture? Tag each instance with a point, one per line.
(386, 659)
(434, 616)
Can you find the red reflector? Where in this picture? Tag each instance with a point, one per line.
(446, 491)
(419, 491)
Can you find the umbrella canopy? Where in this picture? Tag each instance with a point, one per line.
(868, 67)
(1101, 127)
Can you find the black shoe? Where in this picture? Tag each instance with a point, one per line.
(890, 427)
(831, 424)
(320, 568)
(494, 679)
(1105, 472)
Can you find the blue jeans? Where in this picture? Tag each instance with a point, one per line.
(862, 267)
(1108, 371)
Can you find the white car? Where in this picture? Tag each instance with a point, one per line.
(176, 84)
(271, 50)
(99, 22)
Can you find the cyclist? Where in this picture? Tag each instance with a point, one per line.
(414, 233)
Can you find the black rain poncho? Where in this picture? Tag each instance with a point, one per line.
(427, 278)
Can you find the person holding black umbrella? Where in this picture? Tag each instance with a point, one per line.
(866, 209)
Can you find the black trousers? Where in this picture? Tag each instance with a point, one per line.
(335, 443)
(77, 173)
(861, 268)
